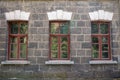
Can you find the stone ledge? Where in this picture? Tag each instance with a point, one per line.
(15, 62)
(102, 62)
(57, 62)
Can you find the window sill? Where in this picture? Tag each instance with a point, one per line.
(15, 62)
(57, 62)
(102, 62)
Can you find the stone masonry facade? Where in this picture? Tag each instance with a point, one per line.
(80, 34)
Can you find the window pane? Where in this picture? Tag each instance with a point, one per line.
(23, 54)
(95, 47)
(23, 40)
(13, 40)
(64, 28)
(104, 39)
(64, 55)
(54, 28)
(13, 51)
(95, 54)
(104, 28)
(54, 44)
(14, 28)
(104, 47)
(64, 39)
(54, 54)
(23, 50)
(94, 39)
(23, 28)
(64, 47)
(94, 28)
(104, 54)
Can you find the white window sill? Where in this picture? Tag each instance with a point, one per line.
(102, 62)
(57, 62)
(15, 62)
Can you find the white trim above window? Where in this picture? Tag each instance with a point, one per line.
(101, 15)
(59, 15)
(17, 15)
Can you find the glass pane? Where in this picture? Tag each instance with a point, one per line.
(54, 44)
(104, 47)
(23, 48)
(23, 40)
(104, 39)
(64, 55)
(94, 28)
(64, 47)
(13, 39)
(95, 54)
(54, 54)
(54, 28)
(13, 55)
(95, 47)
(64, 28)
(104, 54)
(104, 28)
(14, 28)
(64, 40)
(23, 28)
(23, 54)
(94, 39)
(13, 51)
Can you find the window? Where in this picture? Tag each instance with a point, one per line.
(59, 40)
(100, 34)
(17, 42)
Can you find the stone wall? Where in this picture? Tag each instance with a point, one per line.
(38, 43)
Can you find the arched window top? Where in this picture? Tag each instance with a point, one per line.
(17, 15)
(101, 15)
(59, 15)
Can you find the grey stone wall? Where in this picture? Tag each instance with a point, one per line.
(38, 43)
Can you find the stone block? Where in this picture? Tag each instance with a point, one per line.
(37, 53)
(42, 17)
(75, 30)
(3, 38)
(33, 68)
(41, 31)
(43, 45)
(41, 60)
(86, 45)
(32, 60)
(115, 44)
(34, 16)
(3, 31)
(81, 24)
(33, 30)
(2, 52)
(80, 37)
(85, 17)
(38, 23)
(45, 53)
(33, 45)
(3, 45)
(86, 30)
(81, 53)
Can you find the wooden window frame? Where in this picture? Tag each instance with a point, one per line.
(18, 39)
(59, 36)
(99, 35)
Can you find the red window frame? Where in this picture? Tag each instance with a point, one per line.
(18, 36)
(100, 43)
(58, 35)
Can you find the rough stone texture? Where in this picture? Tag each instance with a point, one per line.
(38, 41)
